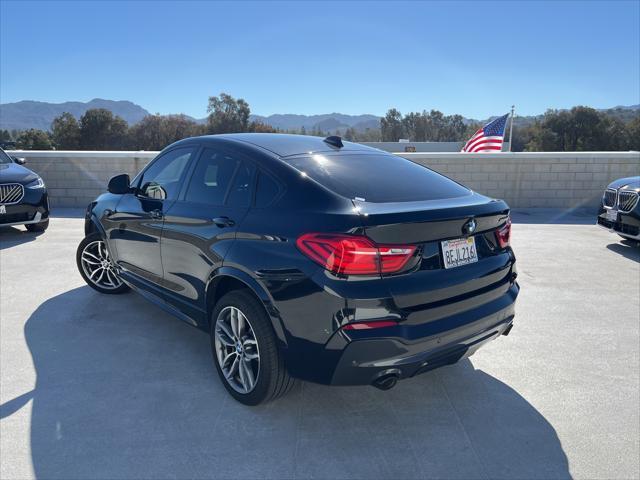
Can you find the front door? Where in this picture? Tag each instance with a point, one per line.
(200, 227)
(137, 220)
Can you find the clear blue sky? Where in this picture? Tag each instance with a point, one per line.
(473, 58)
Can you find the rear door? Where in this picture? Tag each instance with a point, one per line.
(201, 225)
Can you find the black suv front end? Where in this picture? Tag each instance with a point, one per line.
(23, 196)
(619, 210)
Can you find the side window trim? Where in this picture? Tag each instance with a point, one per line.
(138, 178)
(231, 182)
(279, 184)
(189, 174)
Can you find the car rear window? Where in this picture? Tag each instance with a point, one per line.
(377, 178)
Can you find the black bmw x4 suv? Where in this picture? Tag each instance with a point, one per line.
(307, 258)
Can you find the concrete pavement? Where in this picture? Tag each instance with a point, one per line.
(95, 386)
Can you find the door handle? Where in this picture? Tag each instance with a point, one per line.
(157, 214)
(223, 222)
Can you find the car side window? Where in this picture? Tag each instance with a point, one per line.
(240, 192)
(212, 177)
(266, 190)
(162, 180)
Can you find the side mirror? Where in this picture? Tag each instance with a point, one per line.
(19, 161)
(119, 185)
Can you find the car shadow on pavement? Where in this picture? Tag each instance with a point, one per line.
(627, 248)
(13, 236)
(124, 390)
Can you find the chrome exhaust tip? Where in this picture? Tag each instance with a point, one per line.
(386, 382)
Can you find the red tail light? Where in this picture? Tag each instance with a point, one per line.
(504, 234)
(354, 254)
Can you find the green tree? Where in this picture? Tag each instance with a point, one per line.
(391, 126)
(5, 136)
(154, 132)
(369, 135)
(413, 125)
(66, 132)
(633, 134)
(350, 134)
(454, 129)
(261, 127)
(522, 136)
(578, 129)
(34, 139)
(227, 115)
(101, 130)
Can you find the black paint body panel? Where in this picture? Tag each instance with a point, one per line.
(182, 259)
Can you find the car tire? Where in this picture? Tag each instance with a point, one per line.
(271, 378)
(95, 267)
(38, 227)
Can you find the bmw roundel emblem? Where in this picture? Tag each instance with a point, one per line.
(470, 226)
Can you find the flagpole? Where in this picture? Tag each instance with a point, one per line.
(513, 107)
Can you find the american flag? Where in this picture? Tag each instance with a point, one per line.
(488, 138)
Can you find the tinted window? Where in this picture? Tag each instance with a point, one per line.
(240, 193)
(4, 158)
(163, 178)
(377, 178)
(266, 190)
(211, 177)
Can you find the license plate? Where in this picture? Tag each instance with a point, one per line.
(3, 209)
(458, 252)
(612, 215)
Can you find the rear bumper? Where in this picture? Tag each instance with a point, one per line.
(399, 353)
(33, 208)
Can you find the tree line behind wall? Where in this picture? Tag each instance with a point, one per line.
(578, 129)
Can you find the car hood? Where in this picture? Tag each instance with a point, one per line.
(14, 173)
(628, 183)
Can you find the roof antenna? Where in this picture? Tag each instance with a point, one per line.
(334, 140)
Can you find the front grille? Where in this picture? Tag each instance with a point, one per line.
(627, 201)
(11, 193)
(609, 198)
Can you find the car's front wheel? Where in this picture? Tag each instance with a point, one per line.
(245, 352)
(96, 267)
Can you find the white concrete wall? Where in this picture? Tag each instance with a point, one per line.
(531, 180)
(549, 180)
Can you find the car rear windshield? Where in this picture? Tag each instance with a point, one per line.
(377, 178)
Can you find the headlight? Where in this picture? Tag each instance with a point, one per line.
(37, 183)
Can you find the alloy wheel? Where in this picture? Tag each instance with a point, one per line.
(97, 266)
(237, 350)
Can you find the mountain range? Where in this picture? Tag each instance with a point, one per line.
(31, 114)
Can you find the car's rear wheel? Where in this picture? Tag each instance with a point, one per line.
(245, 352)
(96, 267)
(38, 227)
